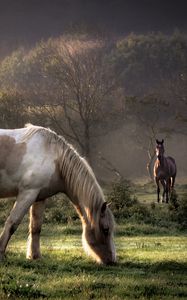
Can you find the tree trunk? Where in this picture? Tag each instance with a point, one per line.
(150, 165)
(87, 151)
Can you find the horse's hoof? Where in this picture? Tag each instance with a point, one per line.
(34, 256)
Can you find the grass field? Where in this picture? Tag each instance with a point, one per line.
(150, 266)
(152, 260)
(146, 193)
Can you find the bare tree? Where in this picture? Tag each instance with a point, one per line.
(81, 98)
(149, 117)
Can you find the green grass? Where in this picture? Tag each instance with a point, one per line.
(152, 259)
(151, 265)
(147, 194)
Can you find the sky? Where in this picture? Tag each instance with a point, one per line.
(28, 21)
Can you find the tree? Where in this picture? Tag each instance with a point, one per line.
(71, 83)
(147, 62)
(148, 114)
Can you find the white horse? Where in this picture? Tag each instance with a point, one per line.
(36, 163)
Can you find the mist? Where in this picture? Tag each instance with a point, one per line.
(132, 67)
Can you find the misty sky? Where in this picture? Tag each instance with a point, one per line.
(27, 21)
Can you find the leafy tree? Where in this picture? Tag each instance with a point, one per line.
(153, 72)
(148, 61)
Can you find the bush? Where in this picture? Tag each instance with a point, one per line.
(140, 213)
(125, 205)
(182, 212)
(60, 210)
(121, 198)
(174, 200)
(178, 209)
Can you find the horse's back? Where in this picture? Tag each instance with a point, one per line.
(12, 133)
(24, 160)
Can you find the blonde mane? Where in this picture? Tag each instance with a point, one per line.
(76, 172)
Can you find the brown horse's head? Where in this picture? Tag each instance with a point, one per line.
(98, 237)
(159, 149)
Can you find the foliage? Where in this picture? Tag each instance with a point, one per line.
(178, 209)
(83, 87)
(127, 208)
(125, 205)
(68, 81)
(60, 210)
(182, 212)
(147, 60)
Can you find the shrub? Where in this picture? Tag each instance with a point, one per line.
(121, 199)
(125, 205)
(140, 213)
(60, 210)
(174, 200)
(182, 212)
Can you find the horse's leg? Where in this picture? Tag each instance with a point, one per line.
(36, 219)
(164, 190)
(167, 186)
(169, 183)
(158, 190)
(173, 182)
(23, 202)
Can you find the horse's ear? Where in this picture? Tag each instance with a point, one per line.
(103, 208)
(162, 141)
(157, 141)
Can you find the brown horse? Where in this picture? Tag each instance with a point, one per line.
(36, 163)
(165, 171)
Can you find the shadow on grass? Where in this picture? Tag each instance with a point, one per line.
(66, 262)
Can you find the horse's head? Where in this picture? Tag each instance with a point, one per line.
(98, 238)
(159, 149)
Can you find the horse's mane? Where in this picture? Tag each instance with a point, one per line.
(75, 171)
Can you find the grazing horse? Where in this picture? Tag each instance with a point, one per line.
(36, 163)
(165, 171)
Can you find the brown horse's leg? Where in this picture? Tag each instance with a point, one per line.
(164, 190)
(21, 206)
(36, 219)
(173, 182)
(169, 187)
(158, 190)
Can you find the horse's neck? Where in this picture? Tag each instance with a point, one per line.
(162, 161)
(86, 204)
(81, 184)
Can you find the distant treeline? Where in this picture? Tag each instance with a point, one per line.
(84, 87)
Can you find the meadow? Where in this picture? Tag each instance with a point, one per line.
(151, 264)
